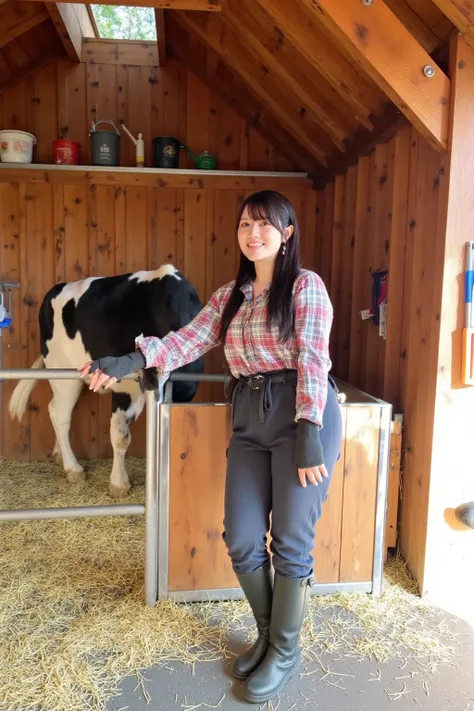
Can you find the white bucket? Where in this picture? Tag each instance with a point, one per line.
(16, 146)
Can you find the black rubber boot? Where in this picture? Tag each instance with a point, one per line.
(257, 587)
(288, 610)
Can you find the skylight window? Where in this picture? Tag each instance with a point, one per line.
(129, 23)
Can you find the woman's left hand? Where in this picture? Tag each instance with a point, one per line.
(312, 474)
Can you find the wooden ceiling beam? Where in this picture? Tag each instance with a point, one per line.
(67, 24)
(360, 95)
(419, 28)
(200, 5)
(233, 91)
(210, 30)
(254, 26)
(160, 35)
(391, 56)
(17, 19)
(461, 14)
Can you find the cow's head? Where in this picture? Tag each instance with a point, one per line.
(175, 304)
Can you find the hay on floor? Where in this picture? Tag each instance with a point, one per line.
(73, 622)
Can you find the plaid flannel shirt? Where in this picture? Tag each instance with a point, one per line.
(251, 348)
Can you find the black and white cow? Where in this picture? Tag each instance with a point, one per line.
(91, 318)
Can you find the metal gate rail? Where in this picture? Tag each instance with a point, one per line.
(154, 452)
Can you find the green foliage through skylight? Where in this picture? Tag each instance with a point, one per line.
(119, 22)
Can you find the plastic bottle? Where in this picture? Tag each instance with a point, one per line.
(140, 153)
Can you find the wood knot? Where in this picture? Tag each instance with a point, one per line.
(29, 301)
(361, 32)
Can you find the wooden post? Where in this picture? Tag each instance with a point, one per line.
(447, 576)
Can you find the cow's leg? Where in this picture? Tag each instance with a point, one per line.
(56, 454)
(120, 438)
(124, 408)
(65, 395)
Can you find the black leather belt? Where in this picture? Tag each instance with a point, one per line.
(263, 383)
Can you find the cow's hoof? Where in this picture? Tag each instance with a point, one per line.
(118, 492)
(75, 476)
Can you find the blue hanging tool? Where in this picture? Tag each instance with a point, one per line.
(6, 309)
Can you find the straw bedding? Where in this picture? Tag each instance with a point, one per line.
(73, 622)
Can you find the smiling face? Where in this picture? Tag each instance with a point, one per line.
(258, 239)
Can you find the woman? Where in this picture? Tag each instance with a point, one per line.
(274, 320)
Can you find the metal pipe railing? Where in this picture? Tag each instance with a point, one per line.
(72, 512)
(155, 451)
(72, 374)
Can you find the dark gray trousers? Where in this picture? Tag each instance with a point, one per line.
(262, 477)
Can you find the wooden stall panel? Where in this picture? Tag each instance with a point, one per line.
(327, 549)
(198, 558)
(359, 497)
(344, 543)
(393, 485)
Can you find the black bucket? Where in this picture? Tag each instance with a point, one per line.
(166, 152)
(105, 145)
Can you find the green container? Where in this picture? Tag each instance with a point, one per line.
(204, 161)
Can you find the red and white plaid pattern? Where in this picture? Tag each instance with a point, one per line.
(251, 348)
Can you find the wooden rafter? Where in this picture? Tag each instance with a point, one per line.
(160, 35)
(461, 14)
(363, 142)
(391, 56)
(429, 37)
(233, 91)
(30, 68)
(15, 20)
(68, 20)
(361, 96)
(253, 25)
(201, 5)
(210, 30)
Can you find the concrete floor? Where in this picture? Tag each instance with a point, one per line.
(450, 687)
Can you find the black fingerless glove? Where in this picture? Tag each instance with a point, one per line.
(120, 366)
(309, 452)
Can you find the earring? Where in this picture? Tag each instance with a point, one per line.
(283, 249)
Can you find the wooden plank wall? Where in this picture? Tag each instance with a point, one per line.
(383, 214)
(62, 100)
(51, 233)
(48, 234)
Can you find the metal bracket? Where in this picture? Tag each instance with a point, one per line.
(8, 285)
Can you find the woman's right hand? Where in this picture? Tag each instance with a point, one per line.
(110, 369)
(99, 378)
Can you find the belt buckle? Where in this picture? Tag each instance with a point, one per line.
(258, 379)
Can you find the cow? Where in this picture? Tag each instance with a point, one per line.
(99, 316)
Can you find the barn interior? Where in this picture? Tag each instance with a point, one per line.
(360, 112)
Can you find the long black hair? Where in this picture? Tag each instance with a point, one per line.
(275, 208)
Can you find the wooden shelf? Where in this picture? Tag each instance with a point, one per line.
(153, 177)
